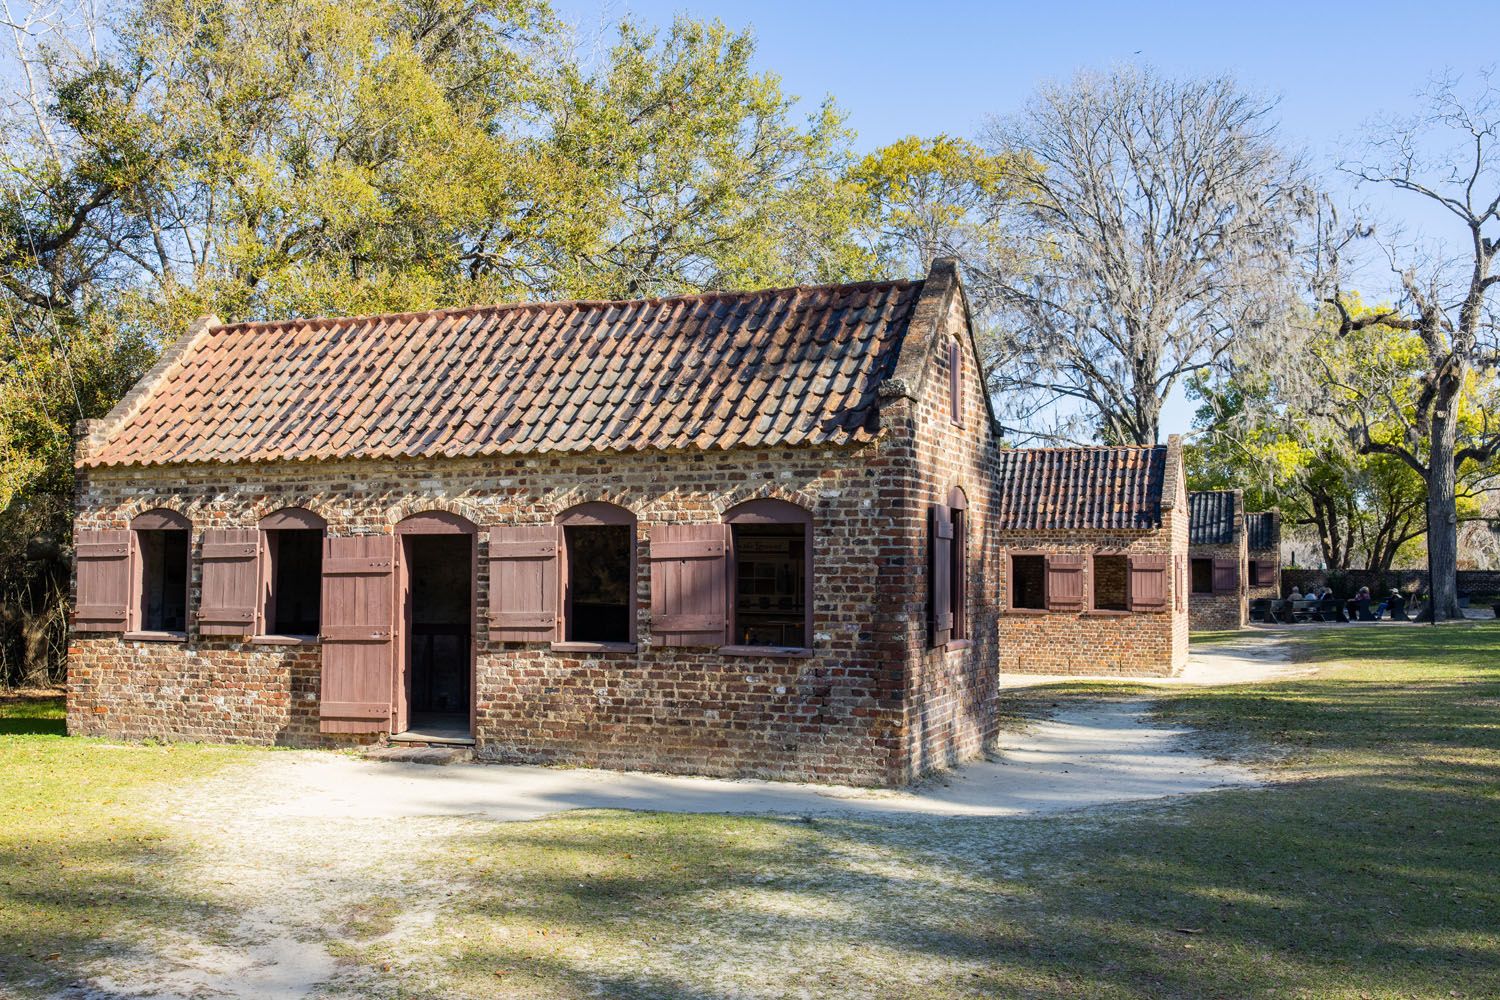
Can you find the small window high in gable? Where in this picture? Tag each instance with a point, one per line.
(292, 544)
(955, 381)
(162, 545)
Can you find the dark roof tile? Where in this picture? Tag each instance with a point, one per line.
(1042, 489)
(1211, 517)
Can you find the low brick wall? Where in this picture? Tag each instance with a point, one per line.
(1477, 582)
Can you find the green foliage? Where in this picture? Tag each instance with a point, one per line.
(1368, 508)
(676, 168)
(926, 198)
(260, 159)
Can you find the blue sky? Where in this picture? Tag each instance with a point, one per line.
(906, 68)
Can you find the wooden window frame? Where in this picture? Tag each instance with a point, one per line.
(1092, 608)
(958, 567)
(1192, 590)
(768, 511)
(1010, 582)
(595, 514)
(156, 519)
(285, 519)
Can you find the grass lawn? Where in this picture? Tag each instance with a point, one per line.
(1367, 868)
(74, 856)
(1371, 868)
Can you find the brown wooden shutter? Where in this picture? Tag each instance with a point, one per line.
(939, 575)
(1226, 576)
(523, 583)
(1263, 573)
(358, 618)
(689, 577)
(230, 565)
(1065, 580)
(1147, 586)
(103, 579)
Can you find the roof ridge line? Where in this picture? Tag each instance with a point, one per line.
(541, 305)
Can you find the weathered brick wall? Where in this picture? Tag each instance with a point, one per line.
(835, 716)
(950, 690)
(1211, 612)
(1102, 642)
(1092, 642)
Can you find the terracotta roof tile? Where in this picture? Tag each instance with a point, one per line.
(787, 366)
(1043, 489)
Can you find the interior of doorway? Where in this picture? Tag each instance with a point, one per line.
(439, 634)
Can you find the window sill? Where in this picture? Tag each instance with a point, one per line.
(958, 644)
(1027, 611)
(792, 652)
(594, 647)
(1105, 613)
(285, 640)
(156, 636)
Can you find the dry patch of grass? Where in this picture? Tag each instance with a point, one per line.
(76, 858)
(1366, 870)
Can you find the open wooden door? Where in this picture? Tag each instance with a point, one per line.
(359, 607)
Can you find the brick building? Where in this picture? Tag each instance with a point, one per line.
(1218, 559)
(739, 533)
(1263, 554)
(1093, 574)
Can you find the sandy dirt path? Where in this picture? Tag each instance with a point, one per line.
(295, 843)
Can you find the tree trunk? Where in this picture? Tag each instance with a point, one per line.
(1442, 516)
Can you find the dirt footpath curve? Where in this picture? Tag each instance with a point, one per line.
(264, 833)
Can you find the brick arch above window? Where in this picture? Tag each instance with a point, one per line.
(435, 522)
(267, 506)
(161, 519)
(595, 513)
(431, 505)
(723, 503)
(957, 499)
(582, 495)
(768, 510)
(292, 518)
(141, 505)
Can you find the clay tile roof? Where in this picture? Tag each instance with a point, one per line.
(1260, 531)
(789, 366)
(1040, 489)
(1211, 517)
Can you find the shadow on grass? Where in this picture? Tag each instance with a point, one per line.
(28, 716)
(1375, 876)
(69, 907)
(1387, 886)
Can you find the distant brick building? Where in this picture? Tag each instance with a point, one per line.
(733, 533)
(1094, 545)
(1217, 559)
(1263, 554)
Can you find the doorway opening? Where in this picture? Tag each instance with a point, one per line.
(439, 618)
